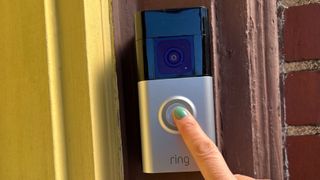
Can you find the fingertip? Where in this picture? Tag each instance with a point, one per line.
(203, 150)
(180, 113)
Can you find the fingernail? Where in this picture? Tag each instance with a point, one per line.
(180, 112)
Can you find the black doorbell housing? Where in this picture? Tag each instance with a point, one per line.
(173, 43)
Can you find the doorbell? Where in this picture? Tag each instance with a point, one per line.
(174, 66)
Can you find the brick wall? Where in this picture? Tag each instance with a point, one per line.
(300, 42)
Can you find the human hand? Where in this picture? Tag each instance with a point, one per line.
(206, 154)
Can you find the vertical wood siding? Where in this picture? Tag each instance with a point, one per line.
(58, 91)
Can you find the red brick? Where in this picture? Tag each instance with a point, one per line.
(302, 98)
(303, 156)
(302, 32)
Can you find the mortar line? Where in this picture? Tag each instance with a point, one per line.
(303, 130)
(292, 3)
(307, 65)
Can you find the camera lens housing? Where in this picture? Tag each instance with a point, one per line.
(170, 43)
(174, 57)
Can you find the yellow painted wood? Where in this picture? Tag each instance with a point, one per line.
(75, 89)
(89, 90)
(103, 90)
(26, 147)
(58, 91)
(57, 120)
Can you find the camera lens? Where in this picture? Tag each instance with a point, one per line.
(173, 57)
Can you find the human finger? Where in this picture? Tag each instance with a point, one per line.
(207, 156)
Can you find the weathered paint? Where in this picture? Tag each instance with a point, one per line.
(245, 51)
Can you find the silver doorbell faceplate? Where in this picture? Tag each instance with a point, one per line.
(163, 149)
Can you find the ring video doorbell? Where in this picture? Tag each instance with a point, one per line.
(173, 58)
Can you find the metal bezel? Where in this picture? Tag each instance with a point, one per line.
(162, 112)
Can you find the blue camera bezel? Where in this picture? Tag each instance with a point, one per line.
(171, 24)
(185, 69)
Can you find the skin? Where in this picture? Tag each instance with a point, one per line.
(206, 154)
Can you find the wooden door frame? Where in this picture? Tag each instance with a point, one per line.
(248, 84)
(83, 89)
(58, 93)
(246, 73)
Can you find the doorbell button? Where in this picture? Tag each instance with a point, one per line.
(166, 109)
